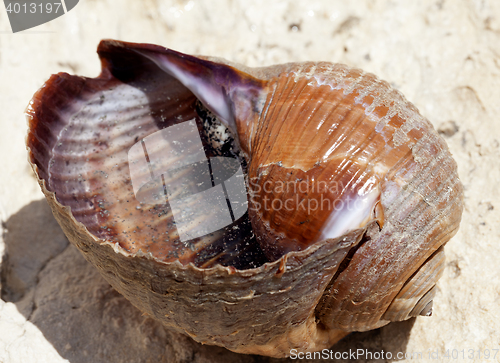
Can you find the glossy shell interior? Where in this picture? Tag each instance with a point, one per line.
(328, 133)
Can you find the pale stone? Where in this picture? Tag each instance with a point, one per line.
(21, 341)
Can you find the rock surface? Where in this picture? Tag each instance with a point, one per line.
(443, 56)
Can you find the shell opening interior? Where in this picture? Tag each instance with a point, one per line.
(107, 162)
(240, 248)
(208, 92)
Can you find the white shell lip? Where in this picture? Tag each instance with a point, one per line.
(140, 100)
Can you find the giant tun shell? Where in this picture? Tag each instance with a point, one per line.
(314, 275)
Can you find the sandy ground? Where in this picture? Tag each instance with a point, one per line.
(443, 55)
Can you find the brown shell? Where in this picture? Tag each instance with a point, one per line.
(322, 123)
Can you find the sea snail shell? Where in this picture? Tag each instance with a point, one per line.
(371, 254)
